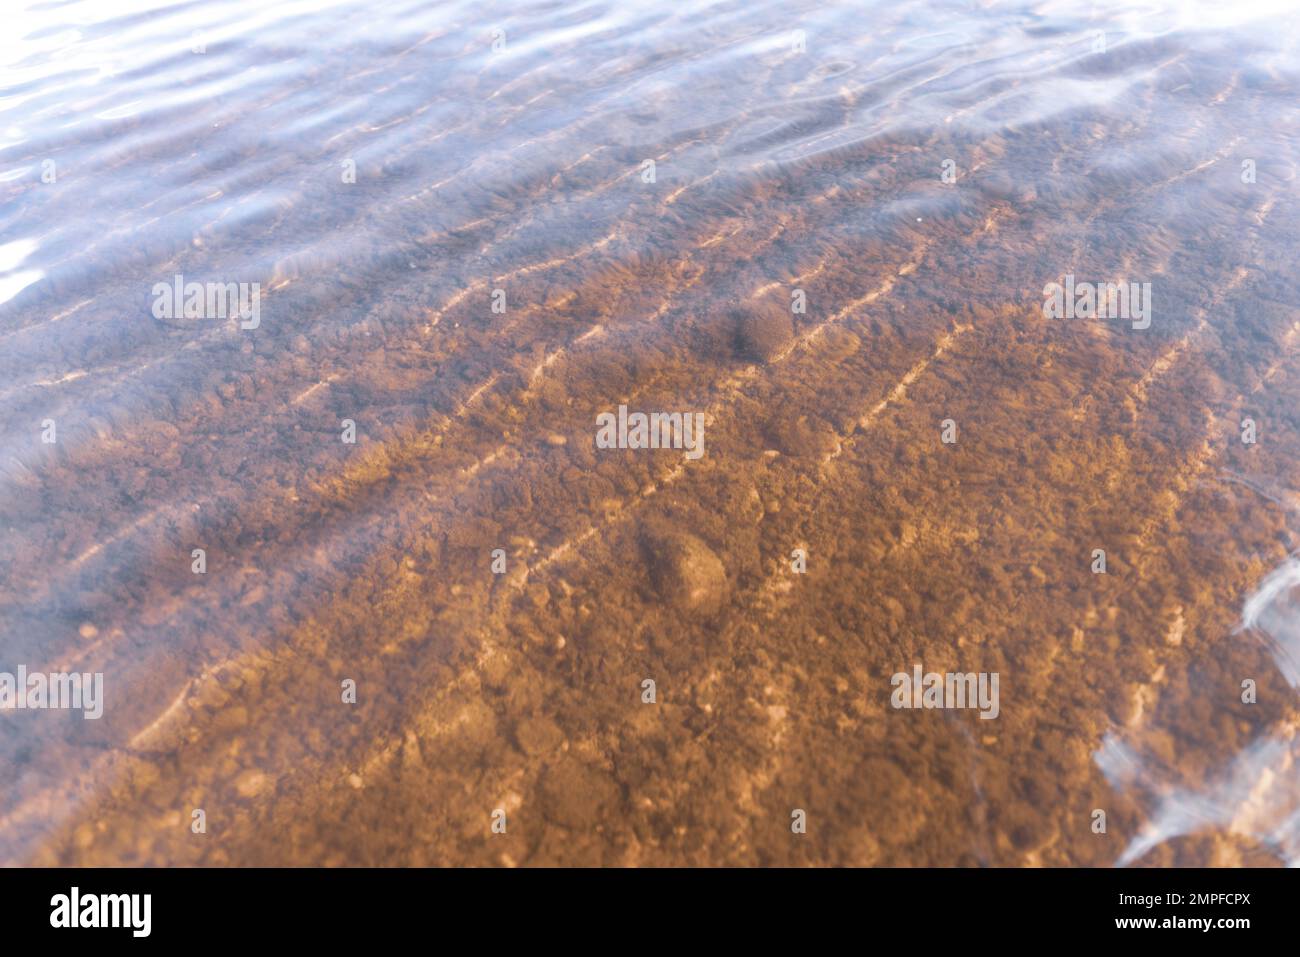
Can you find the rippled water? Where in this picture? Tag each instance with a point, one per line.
(474, 228)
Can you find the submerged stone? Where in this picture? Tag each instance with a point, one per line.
(686, 572)
(573, 794)
(763, 331)
(800, 437)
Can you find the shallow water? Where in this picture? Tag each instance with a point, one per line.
(919, 171)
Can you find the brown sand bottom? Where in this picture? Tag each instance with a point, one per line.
(524, 693)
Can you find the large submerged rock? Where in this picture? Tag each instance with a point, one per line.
(763, 330)
(685, 572)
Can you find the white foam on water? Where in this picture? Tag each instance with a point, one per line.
(1257, 795)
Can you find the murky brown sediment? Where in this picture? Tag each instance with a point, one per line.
(522, 170)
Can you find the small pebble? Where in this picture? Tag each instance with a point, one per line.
(251, 783)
